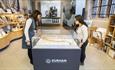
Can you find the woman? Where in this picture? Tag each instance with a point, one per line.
(82, 36)
(29, 32)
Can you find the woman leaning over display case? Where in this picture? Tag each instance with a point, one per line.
(82, 36)
(29, 32)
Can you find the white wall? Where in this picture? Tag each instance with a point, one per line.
(80, 4)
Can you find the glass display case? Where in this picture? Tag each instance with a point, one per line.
(54, 37)
(54, 49)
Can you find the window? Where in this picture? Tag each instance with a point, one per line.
(112, 11)
(96, 3)
(95, 8)
(95, 11)
(93, 16)
(113, 1)
(103, 8)
(103, 11)
(104, 2)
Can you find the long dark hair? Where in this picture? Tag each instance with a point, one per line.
(80, 19)
(35, 14)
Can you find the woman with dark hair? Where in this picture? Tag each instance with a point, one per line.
(82, 36)
(29, 31)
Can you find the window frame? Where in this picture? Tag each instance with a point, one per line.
(103, 13)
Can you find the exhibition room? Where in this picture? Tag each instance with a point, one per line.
(57, 34)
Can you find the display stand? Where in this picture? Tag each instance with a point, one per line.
(56, 53)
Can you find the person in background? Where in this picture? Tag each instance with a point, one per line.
(82, 36)
(26, 16)
(29, 32)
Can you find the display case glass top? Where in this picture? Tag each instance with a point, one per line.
(55, 39)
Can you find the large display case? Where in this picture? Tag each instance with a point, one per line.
(55, 51)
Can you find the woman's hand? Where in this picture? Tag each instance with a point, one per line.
(28, 43)
(80, 45)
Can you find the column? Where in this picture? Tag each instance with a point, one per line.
(30, 6)
(89, 7)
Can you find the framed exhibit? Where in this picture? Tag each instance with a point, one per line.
(51, 8)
